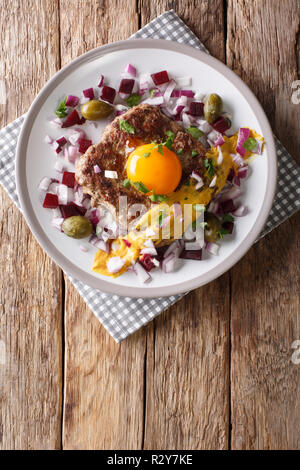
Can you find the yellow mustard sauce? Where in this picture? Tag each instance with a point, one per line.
(187, 194)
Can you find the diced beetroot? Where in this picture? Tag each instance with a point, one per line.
(72, 119)
(196, 109)
(161, 251)
(68, 179)
(191, 254)
(89, 93)
(227, 206)
(160, 77)
(108, 94)
(146, 262)
(81, 121)
(50, 201)
(84, 144)
(228, 226)
(68, 210)
(222, 124)
(126, 85)
(231, 175)
(61, 141)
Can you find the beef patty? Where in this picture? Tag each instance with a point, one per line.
(111, 153)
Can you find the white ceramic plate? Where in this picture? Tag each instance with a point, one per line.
(35, 159)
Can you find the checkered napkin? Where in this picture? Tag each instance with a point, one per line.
(122, 316)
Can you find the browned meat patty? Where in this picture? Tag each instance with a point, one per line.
(150, 125)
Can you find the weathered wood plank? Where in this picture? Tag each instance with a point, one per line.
(262, 48)
(187, 394)
(104, 381)
(30, 292)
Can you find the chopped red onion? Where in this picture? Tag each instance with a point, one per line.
(141, 273)
(240, 211)
(194, 246)
(168, 91)
(57, 222)
(220, 141)
(176, 248)
(101, 81)
(169, 264)
(232, 193)
(127, 242)
(243, 135)
(57, 122)
(131, 70)
(72, 154)
(220, 156)
(97, 169)
(83, 248)
(63, 194)
(48, 139)
(59, 166)
(213, 182)
(212, 248)
(156, 101)
(204, 126)
(149, 251)
(238, 159)
(45, 183)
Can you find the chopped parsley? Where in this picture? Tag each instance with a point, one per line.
(157, 197)
(250, 144)
(222, 231)
(227, 218)
(152, 92)
(160, 149)
(169, 143)
(133, 100)
(195, 132)
(141, 187)
(126, 126)
(170, 134)
(194, 153)
(127, 183)
(179, 151)
(147, 154)
(210, 166)
(61, 110)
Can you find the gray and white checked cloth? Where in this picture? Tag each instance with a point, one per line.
(122, 316)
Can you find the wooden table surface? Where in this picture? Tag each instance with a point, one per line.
(213, 372)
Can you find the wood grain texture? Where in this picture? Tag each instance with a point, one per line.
(265, 284)
(104, 382)
(187, 394)
(30, 283)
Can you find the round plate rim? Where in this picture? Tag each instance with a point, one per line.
(135, 291)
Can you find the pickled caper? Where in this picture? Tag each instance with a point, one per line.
(212, 228)
(213, 106)
(77, 226)
(94, 110)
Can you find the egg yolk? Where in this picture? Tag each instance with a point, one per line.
(156, 166)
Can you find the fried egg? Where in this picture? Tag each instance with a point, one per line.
(155, 166)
